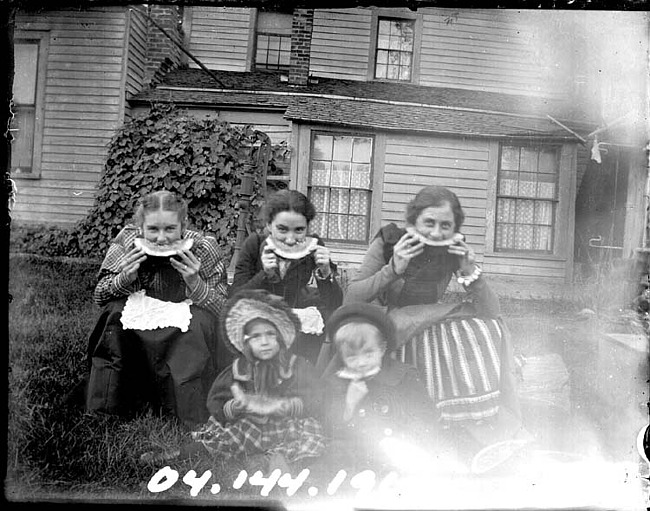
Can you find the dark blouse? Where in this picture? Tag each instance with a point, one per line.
(294, 287)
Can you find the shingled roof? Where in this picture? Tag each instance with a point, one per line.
(421, 119)
(378, 105)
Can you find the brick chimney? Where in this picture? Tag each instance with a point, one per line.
(301, 30)
(160, 50)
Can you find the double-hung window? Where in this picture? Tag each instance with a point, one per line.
(26, 126)
(527, 198)
(339, 186)
(394, 54)
(273, 41)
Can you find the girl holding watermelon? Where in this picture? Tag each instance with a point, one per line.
(263, 407)
(287, 261)
(161, 286)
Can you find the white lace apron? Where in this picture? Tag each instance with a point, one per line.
(141, 312)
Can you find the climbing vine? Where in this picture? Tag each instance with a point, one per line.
(201, 159)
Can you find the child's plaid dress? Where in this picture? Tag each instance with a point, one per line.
(296, 436)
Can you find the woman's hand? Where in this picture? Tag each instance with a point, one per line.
(467, 256)
(408, 247)
(132, 262)
(269, 261)
(188, 265)
(323, 260)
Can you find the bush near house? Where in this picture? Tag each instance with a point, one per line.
(200, 159)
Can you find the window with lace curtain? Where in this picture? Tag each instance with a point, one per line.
(340, 177)
(527, 198)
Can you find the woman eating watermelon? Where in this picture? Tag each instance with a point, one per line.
(461, 347)
(162, 287)
(288, 261)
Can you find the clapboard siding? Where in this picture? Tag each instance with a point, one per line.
(90, 54)
(57, 118)
(489, 50)
(461, 165)
(485, 50)
(340, 43)
(83, 105)
(220, 37)
(533, 267)
(81, 196)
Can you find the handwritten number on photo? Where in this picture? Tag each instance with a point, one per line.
(364, 482)
(267, 483)
(241, 479)
(293, 485)
(336, 482)
(162, 480)
(196, 483)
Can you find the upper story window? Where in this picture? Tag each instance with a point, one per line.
(527, 198)
(339, 186)
(26, 126)
(273, 41)
(395, 49)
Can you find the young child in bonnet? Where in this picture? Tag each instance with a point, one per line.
(261, 406)
(371, 400)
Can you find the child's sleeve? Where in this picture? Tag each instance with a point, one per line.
(220, 400)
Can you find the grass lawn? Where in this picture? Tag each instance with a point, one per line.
(56, 450)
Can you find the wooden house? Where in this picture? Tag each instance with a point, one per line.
(75, 71)
(375, 103)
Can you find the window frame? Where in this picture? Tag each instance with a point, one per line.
(401, 14)
(371, 187)
(254, 38)
(41, 38)
(557, 201)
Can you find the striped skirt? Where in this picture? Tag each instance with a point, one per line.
(460, 361)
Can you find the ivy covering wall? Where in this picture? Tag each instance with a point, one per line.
(200, 159)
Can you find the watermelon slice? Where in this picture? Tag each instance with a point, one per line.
(297, 251)
(169, 250)
(432, 243)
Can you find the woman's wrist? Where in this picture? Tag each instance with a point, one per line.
(467, 279)
(324, 275)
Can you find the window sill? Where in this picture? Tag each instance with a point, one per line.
(362, 246)
(386, 80)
